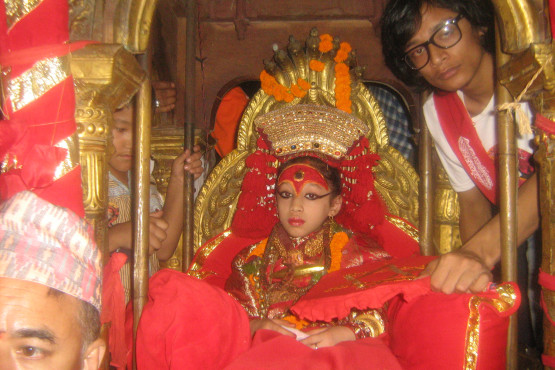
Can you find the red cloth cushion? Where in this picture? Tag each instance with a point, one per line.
(430, 331)
(189, 324)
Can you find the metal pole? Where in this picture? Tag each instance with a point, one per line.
(188, 191)
(141, 195)
(426, 194)
(508, 192)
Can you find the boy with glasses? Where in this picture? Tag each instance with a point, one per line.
(447, 47)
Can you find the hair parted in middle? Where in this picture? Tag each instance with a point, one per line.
(401, 20)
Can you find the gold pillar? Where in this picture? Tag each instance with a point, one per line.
(105, 76)
(545, 156)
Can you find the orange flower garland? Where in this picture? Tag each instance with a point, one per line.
(273, 88)
(337, 244)
(316, 65)
(303, 84)
(325, 43)
(342, 89)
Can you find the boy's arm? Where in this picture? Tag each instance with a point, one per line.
(468, 269)
(173, 206)
(475, 212)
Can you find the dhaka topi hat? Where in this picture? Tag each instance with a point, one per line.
(49, 245)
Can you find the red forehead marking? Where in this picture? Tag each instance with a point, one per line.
(299, 175)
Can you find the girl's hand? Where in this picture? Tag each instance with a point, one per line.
(187, 162)
(272, 324)
(327, 337)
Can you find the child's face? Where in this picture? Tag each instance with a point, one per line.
(122, 133)
(303, 212)
(458, 66)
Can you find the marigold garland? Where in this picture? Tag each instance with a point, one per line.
(303, 84)
(316, 65)
(337, 244)
(325, 43)
(298, 91)
(342, 88)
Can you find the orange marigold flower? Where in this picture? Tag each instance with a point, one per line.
(341, 56)
(326, 37)
(316, 65)
(336, 247)
(303, 84)
(325, 46)
(345, 46)
(341, 68)
(288, 97)
(297, 91)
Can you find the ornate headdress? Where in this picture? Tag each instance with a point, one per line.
(330, 134)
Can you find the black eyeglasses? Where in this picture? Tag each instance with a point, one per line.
(445, 37)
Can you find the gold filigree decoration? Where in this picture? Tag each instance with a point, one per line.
(201, 257)
(36, 81)
(373, 321)
(321, 131)
(506, 300)
(218, 197)
(18, 9)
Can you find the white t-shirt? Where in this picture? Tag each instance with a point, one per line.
(486, 128)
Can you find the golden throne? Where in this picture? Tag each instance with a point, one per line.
(396, 180)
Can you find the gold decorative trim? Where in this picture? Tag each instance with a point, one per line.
(404, 226)
(208, 248)
(18, 9)
(36, 81)
(506, 300)
(72, 157)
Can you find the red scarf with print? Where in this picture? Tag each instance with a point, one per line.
(461, 135)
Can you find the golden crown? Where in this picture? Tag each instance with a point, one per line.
(310, 128)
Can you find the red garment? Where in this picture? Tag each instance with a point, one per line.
(188, 324)
(271, 350)
(228, 117)
(36, 123)
(113, 310)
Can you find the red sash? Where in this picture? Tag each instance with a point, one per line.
(461, 135)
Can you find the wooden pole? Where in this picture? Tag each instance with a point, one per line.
(190, 92)
(508, 192)
(141, 197)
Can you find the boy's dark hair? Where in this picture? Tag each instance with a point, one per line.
(401, 20)
(331, 174)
